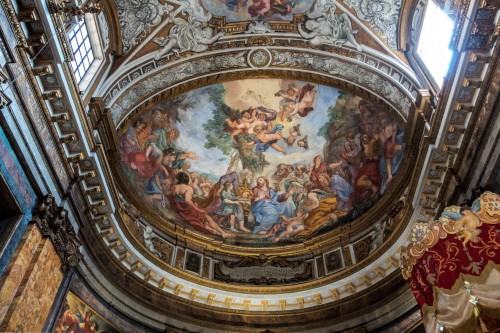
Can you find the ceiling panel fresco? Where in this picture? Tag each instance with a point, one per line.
(244, 10)
(262, 162)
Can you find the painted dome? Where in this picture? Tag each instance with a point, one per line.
(262, 162)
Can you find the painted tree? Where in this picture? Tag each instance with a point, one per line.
(219, 138)
(343, 119)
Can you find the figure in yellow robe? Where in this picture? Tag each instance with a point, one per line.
(326, 211)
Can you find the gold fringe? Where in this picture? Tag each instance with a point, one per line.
(492, 313)
(469, 326)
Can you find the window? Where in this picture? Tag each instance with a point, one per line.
(82, 50)
(434, 40)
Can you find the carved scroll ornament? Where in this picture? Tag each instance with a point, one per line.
(53, 222)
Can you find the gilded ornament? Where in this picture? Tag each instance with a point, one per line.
(259, 58)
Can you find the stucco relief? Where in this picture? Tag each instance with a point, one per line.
(263, 270)
(137, 17)
(167, 78)
(103, 25)
(327, 27)
(381, 15)
(324, 25)
(259, 27)
(350, 72)
(186, 35)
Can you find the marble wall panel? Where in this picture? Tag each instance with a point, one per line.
(36, 292)
(13, 275)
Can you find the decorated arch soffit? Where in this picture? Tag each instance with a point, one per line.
(230, 95)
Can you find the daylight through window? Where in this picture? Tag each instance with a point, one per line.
(82, 50)
(433, 44)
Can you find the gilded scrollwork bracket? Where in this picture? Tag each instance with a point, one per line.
(53, 223)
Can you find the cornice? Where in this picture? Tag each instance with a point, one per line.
(214, 317)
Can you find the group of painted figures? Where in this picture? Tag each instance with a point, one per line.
(261, 9)
(277, 202)
(257, 124)
(81, 321)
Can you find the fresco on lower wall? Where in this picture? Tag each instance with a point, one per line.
(244, 10)
(262, 161)
(76, 317)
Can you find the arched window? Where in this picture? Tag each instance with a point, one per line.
(82, 50)
(86, 45)
(434, 40)
(429, 47)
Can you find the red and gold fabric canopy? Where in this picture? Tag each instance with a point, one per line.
(453, 267)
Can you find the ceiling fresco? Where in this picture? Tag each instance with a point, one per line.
(244, 10)
(260, 162)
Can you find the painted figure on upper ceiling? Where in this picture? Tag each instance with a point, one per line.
(129, 142)
(267, 206)
(181, 201)
(306, 100)
(231, 206)
(138, 17)
(245, 10)
(262, 140)
(266, 8)
(295, 101)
